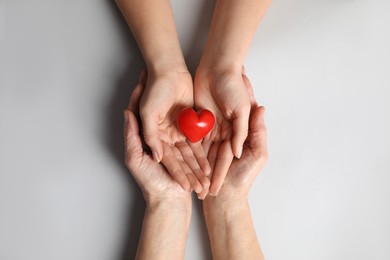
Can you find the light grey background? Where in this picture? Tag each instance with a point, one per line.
(321, 68)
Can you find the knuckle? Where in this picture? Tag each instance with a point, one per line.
(177, 173)
(187, 153)
(185, 150)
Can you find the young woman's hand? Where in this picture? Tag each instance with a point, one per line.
(243, 171)
(168, 89)
(223, 93)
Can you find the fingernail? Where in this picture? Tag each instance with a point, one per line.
(126, 116)
(213, 194)
(156, 157)
(239, 153)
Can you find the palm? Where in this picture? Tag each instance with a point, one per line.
(222, 128)
(166, 101)
(227, 97)
(222, 100)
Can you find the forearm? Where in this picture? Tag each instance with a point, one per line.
(153, 26)
(232, 28)
(164, 231)
(230, 227)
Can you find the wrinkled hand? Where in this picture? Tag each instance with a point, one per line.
(162, 98)
(152, 177)
(243, 171)
(224, 94)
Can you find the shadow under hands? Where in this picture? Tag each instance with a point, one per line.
(198, 210)
(113, 134)
(115, 142)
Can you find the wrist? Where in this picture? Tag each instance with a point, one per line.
(224, 204)
(218, 69)
(168, 62)
(214, 61)
(180, 205)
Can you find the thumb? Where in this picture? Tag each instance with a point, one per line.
(249, 88)
(150, 132)
(240, 129)
(258, 132)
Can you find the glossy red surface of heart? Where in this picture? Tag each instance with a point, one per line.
(195, 125)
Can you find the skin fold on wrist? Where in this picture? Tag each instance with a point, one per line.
(181, 204)
(211, 67)
(167, 65)
(223, 203)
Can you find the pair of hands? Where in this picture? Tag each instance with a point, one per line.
(186, 162)
(222, 92)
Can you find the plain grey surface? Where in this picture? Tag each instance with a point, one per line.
(321, 68)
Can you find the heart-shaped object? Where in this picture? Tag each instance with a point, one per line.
(195, 125)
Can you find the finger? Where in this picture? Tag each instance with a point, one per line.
(190, 160)
(201, 157)
(195, 184)
(135, 98)
(249, 88)
(150, 132)
(213, 154)
(224, 160)
(206, 146)
(143, 76)
(137, 93)
(174, 168)
(133, 144)
(258, 134)
(188, 155)
(202, 195)
(240, 129)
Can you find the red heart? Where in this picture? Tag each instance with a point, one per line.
(195, 125)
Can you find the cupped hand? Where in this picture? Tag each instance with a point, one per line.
(164, 95)
(243, 171)
(224, 93)
(152, 177)
(161, 96)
